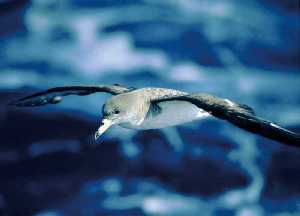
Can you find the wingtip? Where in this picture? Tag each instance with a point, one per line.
(12, 103)
(20, 103)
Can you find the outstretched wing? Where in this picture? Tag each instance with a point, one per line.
(55, 95)
(239, 115)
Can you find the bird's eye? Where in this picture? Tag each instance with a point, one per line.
(116, 111)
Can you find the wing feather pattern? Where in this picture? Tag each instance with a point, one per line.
(55, 95)
(240, 115)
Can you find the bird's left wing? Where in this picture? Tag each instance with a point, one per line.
(54, 95)
(239, 115)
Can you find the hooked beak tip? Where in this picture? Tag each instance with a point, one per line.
(105, 125)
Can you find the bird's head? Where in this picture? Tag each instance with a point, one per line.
(121, 109)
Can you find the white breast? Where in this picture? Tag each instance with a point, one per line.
(172, 113)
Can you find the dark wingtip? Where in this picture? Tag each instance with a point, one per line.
(26, 102)
(19, 103)
(14, 103)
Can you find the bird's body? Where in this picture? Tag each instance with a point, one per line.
(170, 114)
(153, 108)
(164, 114)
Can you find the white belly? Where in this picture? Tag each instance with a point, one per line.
(172, 113)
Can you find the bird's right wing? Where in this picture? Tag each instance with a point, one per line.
(54, 95)
(239, 115)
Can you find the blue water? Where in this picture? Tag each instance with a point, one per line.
(247, 51)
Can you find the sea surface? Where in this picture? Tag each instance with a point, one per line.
(246, 51)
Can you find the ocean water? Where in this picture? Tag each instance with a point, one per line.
(246, 51)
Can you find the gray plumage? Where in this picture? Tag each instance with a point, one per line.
(152, 108)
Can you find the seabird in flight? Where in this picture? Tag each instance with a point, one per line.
(153, 108)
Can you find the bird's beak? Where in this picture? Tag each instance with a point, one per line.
(106, 123)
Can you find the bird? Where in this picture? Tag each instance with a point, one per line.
(155, 108)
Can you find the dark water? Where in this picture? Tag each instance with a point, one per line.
(247, 51)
